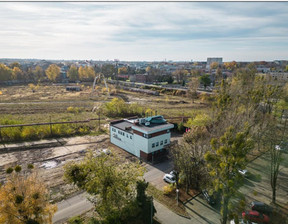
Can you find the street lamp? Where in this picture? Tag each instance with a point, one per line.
(177, 195)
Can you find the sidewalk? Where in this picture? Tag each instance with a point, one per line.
(166, 216)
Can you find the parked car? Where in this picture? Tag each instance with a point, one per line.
(169, 178)
(255, 216)
(208, 198)
(261, 207)
(243, 172)
(106, 151)
(173, 173)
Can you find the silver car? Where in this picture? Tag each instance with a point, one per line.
(169, 178)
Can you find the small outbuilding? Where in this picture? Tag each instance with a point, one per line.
(73, 88)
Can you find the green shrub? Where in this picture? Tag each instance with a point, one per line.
(75, 220)
(169, 189)
(9, 170)
(18, 168)
(118, 108)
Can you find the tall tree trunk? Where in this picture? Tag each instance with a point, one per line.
(225, 210)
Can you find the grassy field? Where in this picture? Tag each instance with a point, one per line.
(20, 103)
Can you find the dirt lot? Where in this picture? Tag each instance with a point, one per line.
(49, 161)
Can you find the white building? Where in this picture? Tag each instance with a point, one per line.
(212, 60)
(145, 138)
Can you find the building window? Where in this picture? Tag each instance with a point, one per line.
(165, 142)
(153, 145)
(161, 143)
(127, 135)
(157, 143)
(130, 136)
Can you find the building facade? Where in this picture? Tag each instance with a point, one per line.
(211, 60)
(145, 138)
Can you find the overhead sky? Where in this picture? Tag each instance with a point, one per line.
(151, 31)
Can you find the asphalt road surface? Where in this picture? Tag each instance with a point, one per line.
(72, 207)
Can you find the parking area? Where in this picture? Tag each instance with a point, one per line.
(202, 212)
(256, 188)
(154, 173)
(257, 183)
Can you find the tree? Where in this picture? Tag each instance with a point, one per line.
(228, 155)
(110, 182)
(109, 70)
(193, 85)
(86, 73)
(219, 75)
(230, 65)
(17, 73)
(15, 64)
(52, 72)
(122, 70)
(188, 157)
(180, 74)
(214, 65)
(38, 73)
(5, 73)
(24, 199)
(205, 80)
(275, 140)
(73, 73)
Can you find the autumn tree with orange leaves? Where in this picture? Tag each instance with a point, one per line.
(24, 199)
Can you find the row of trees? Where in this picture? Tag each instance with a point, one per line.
(247, 109)
(52, 73)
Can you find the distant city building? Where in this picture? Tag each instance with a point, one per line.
(146, 138)
(212, 60)
(279, 76)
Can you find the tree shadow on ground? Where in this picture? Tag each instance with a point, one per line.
(253, 177)
(248, 183)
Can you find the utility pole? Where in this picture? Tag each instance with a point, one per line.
(151, 209)
(99, 121)
(50, 127)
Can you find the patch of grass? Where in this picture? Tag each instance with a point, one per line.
(167, 201)
(254, 177)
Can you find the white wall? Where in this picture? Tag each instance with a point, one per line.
(158, 139)
(140, 143)
(123, 142)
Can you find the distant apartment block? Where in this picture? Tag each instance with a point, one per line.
(146, 138)
(211, 60)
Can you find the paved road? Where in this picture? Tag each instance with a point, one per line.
(201, 212)
(72, 207)
(155, 173)
(79, 204)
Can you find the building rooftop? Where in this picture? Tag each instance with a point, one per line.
(149, 124)
(153, 127)
(123, 125)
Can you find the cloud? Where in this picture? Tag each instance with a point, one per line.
(119, 29)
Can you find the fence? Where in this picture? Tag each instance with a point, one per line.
(17, 132)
